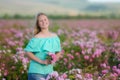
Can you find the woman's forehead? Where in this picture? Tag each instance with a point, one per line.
(42, 17)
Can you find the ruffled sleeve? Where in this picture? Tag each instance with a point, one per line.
(32, 46)
(52, 45)
(58, 45)
(58, 49)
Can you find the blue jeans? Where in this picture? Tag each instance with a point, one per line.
(36, 76)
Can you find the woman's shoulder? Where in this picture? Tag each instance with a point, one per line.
(37, 36)
(52, 34)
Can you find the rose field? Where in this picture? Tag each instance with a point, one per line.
(91, 49)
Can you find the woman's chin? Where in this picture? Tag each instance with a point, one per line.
(44, 27)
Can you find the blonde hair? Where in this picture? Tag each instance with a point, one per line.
(37, 28)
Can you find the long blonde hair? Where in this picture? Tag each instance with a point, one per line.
(37, 28)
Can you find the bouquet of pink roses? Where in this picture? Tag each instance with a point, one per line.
(52, 57)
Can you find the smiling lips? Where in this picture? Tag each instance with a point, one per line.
(45, 24)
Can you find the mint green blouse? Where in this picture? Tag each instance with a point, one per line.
(40, 47)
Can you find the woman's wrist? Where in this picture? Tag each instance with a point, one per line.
(41, 61)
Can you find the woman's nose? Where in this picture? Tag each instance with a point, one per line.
(44, 21)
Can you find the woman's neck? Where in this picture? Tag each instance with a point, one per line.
(45, 31)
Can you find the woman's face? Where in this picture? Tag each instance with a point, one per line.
(43, 21)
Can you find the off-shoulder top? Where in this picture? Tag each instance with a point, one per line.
(40, 47)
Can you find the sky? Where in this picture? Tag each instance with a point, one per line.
(104, 0)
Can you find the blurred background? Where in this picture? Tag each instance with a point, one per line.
(89, 31)
(90, 8)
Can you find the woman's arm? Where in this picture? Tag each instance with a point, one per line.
(33, 57)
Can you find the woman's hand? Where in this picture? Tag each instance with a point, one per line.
(46, 62)
(33, 57)
(59, 55)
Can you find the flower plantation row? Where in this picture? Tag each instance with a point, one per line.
(88, 54)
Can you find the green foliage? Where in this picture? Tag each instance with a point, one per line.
(54, 28)
(14, 69)
(113, 59)
(86, 16)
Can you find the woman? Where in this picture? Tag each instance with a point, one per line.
(38, 46)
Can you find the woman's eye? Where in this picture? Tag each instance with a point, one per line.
(40, 20)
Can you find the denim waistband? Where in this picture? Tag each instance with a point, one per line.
(36, 76)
